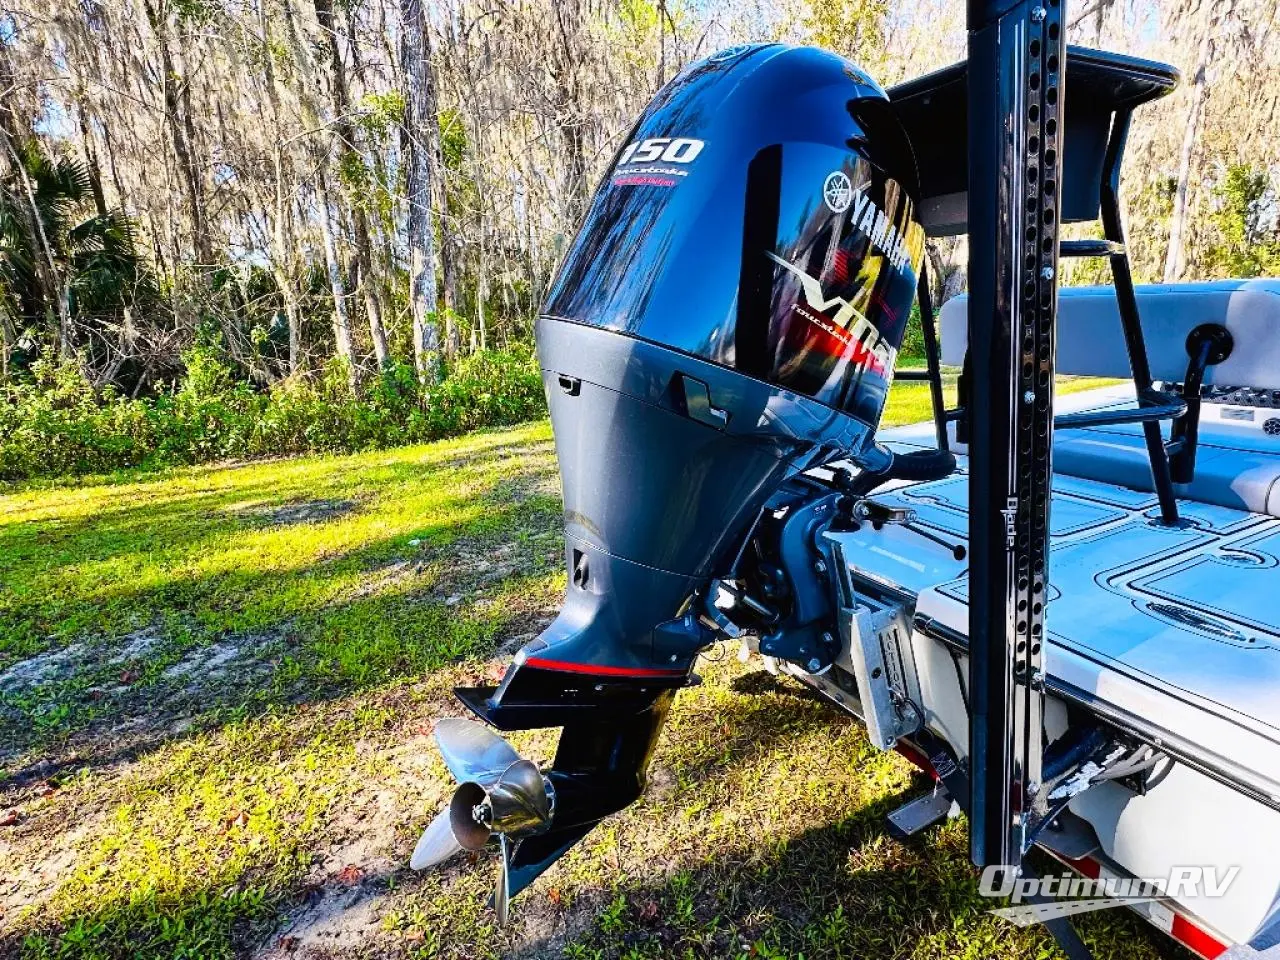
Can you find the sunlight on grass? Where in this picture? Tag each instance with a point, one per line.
(223, 552)
(909, 402)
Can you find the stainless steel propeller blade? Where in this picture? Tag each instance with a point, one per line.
(472, 752)
(436, 845)
(502, 895)
(498, 793)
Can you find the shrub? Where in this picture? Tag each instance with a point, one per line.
(56, 424)
(912, 352)
(485, 389)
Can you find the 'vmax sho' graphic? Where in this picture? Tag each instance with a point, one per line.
(847, 324)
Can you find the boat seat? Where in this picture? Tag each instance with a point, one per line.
(1091, 340)
(1228, 473)
(1238, 459)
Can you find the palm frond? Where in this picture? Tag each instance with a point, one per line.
(110, 233)
(96, 254)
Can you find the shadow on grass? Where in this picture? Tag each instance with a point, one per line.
(239, 912)
(727, 730)
(402, 596)
(843, 890)
(761, 681)
(808, 894)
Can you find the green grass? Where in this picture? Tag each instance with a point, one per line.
(228, 738)
(910, 402)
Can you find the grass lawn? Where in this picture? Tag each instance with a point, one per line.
(217, 688)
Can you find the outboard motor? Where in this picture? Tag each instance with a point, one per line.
(727, 317)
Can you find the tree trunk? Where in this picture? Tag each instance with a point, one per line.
(423, 295)
(662, 44)
(449, 246)
(112, 165)
(369, 291)
(449, 272)
(282, 259)
(482, 292)
(7, 337)
(42, 256)
(342, 342)
(564, 70)
(55, 304)
(344, 134)
(91, 159)
(283, 277)
(282, 252)
(177, 118)
(1175, 263)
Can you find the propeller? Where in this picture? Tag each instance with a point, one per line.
(436, 845)
(499, 794)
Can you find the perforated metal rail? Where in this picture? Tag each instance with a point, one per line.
(1016, 61)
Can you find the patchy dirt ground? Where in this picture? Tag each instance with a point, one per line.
(217, 692)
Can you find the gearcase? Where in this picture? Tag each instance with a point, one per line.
(727, 318)
(535, 816)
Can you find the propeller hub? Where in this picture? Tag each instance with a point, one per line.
(471, 832)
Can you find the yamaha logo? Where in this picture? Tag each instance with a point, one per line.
(728, 53)
(837, 191)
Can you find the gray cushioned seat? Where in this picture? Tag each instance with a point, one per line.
(1240, 479)
(1231, 471)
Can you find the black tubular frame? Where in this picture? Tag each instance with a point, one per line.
(1017, 59)
(929, 328)
(1207, 344)
(932, 374)
(1170, 462)
(1149, 399)
(1185, 434)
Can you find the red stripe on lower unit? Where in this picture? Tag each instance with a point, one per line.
(599, 670)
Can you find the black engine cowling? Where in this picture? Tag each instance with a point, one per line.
(729, 313)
